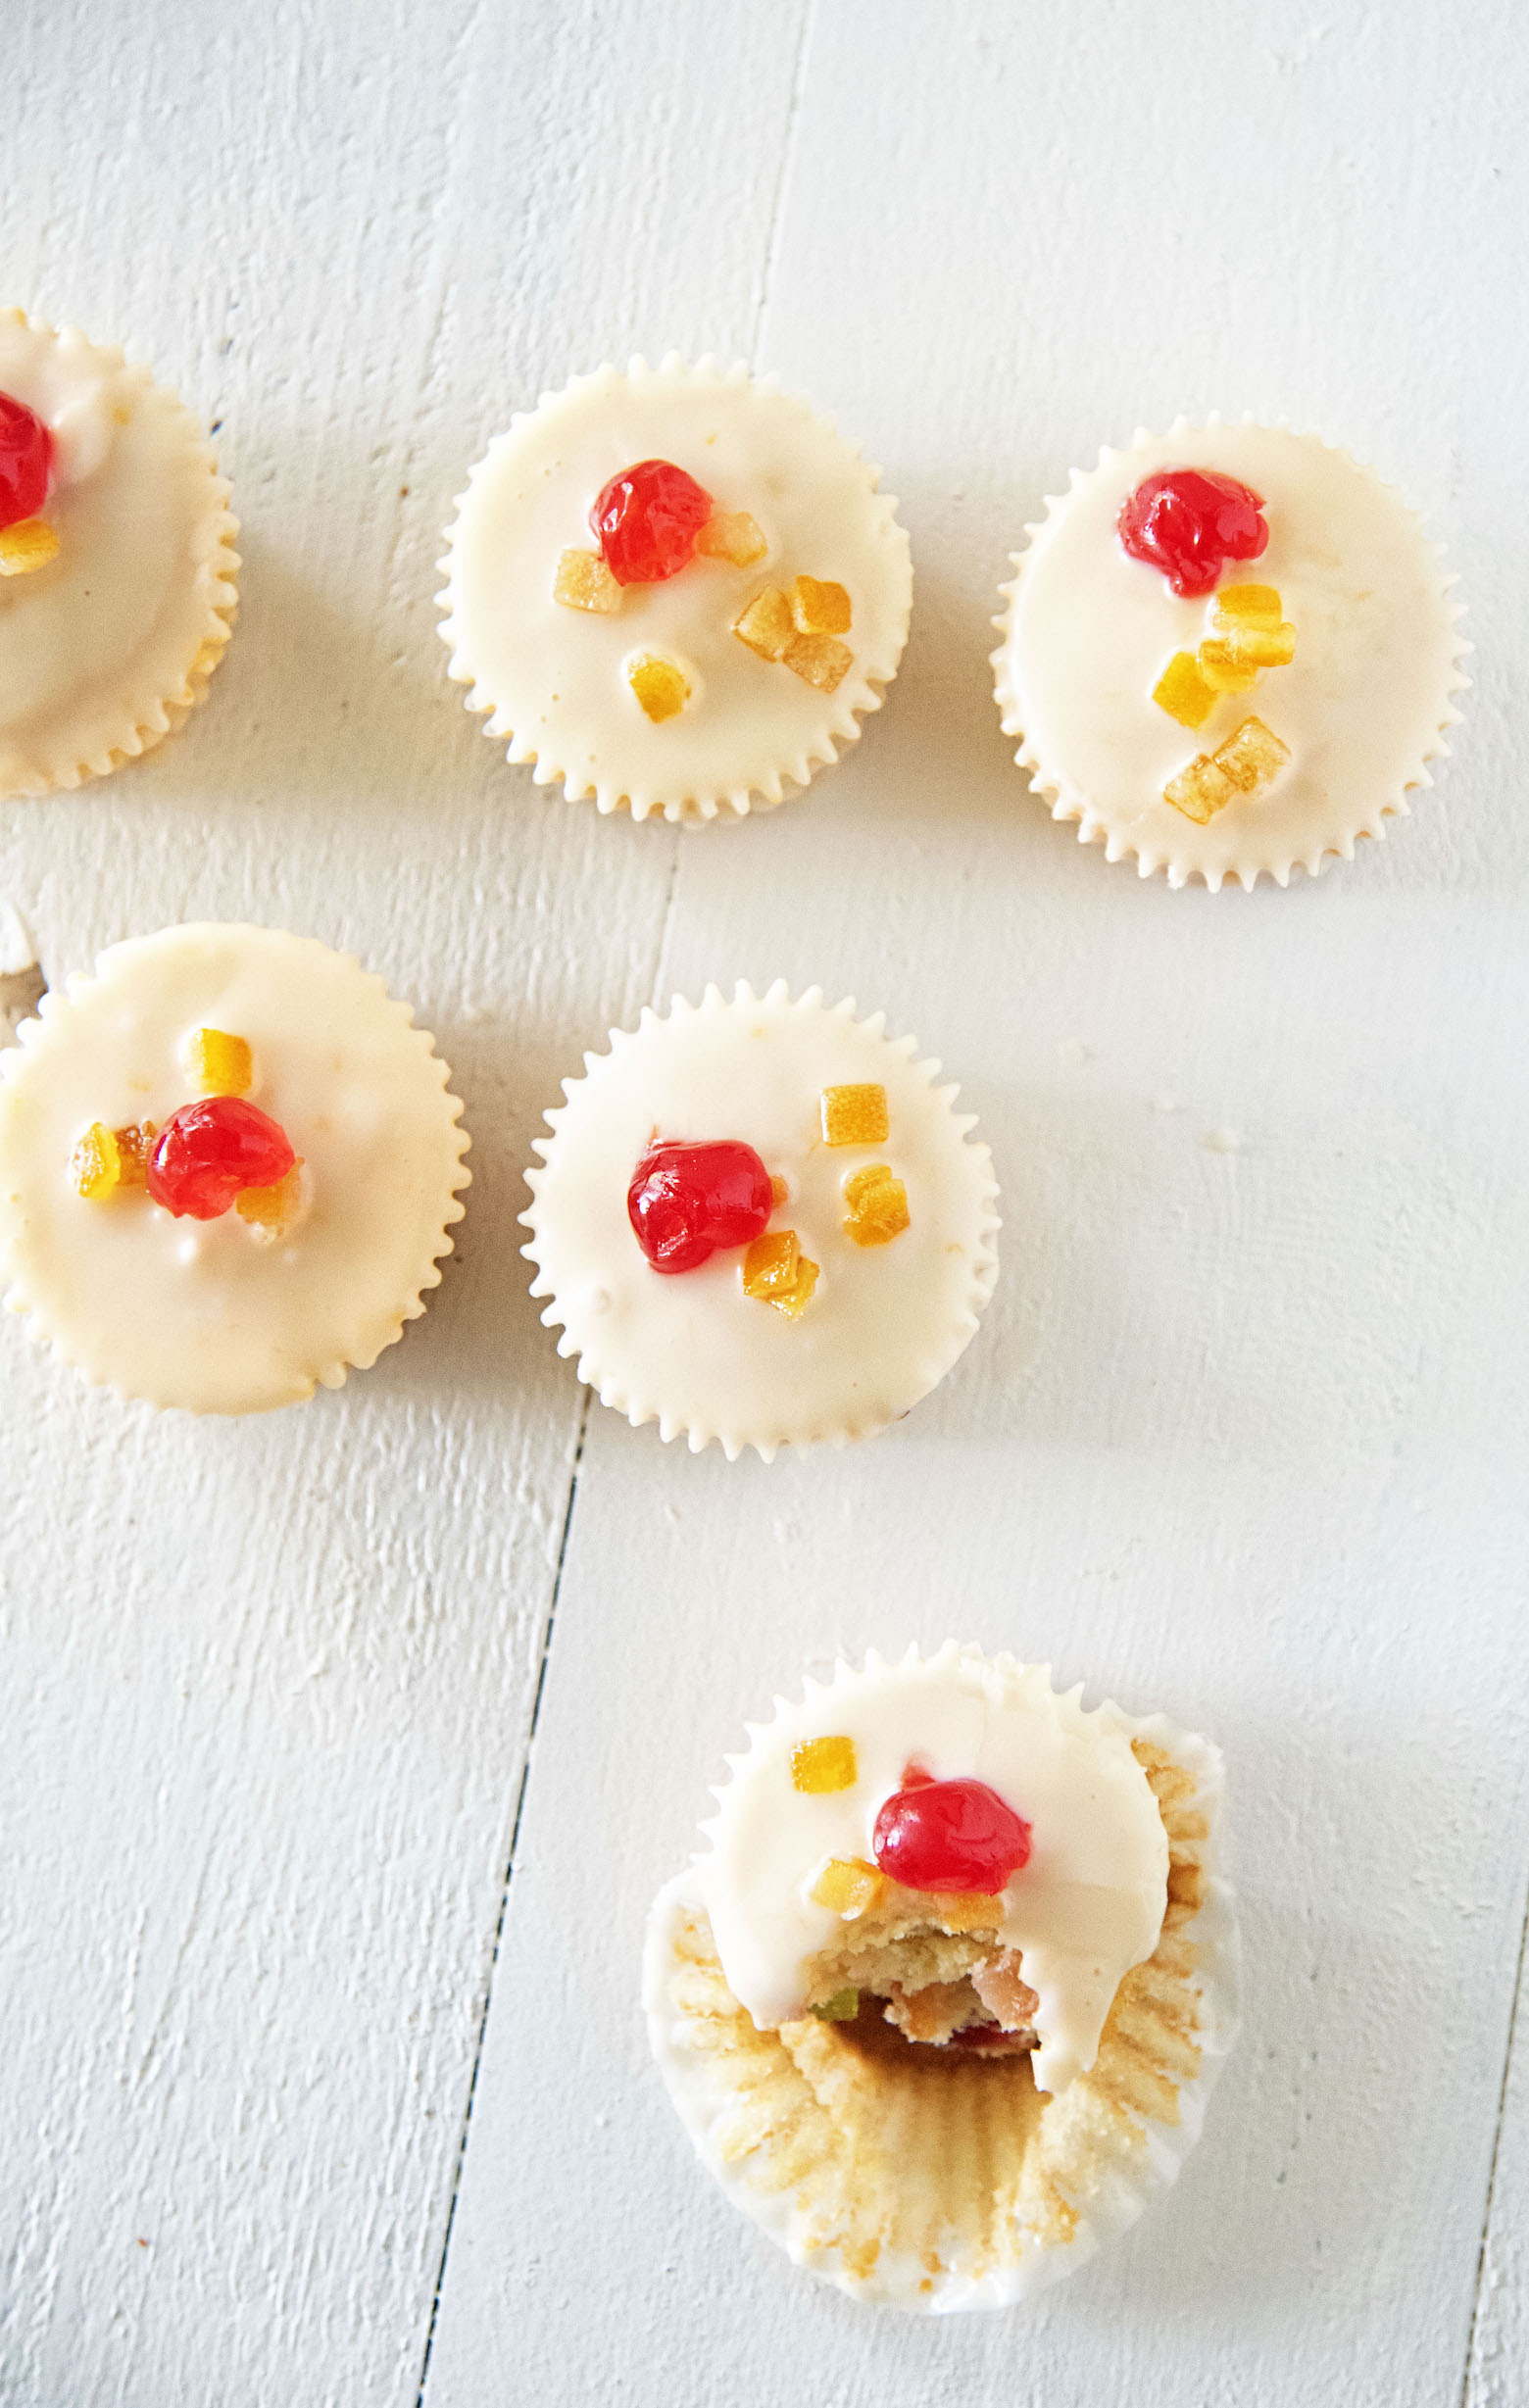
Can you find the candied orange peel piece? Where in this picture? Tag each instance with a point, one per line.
(820, 607)
(777, 1187)
(877, 1206)
(1222, 671)
(1257, 605)
(583, 582)
(820, 661)
(661, 686)
(732, 535)
(769, 1267)
(1258, 648)
(822, 1765)
(132, 1153)
(1201, 790)
(1251, 755)
(95, 1165)
(272, 1210)
(854, 1116)
(1184, 693)
(794, 1301)
(31, 544)
(848, 1887)
(766, 626)
(221, 1065)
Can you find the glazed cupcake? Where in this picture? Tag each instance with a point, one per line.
(943, 1999)
(677, 591)
(117, 566)
(1229, 651)
(760, 1221)
(228, 1165)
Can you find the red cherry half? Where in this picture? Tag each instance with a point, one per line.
(950, 1835)
(25, 462)
(210, 1151)
(647, 521)
(1188, 522)
(688, 1200)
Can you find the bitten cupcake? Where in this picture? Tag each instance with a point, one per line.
(678, 591)
(943, 1999)
(1229, 651)
(761, 1221)
(117, 566)
(228, 1165)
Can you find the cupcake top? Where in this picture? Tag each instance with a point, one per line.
(117, 589)
(675, 590)
(1228, 650)
(760, 1221)
(228, 1162)
(953, 1797)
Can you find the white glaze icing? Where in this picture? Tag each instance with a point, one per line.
(554, 678)
(1088, 1905)
(106, 649)
(203, 1314)
(1089, 630)
(692, 1351)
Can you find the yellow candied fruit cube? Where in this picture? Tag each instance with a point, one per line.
(272, 1209)
(848, 1887)
(769, 1267)
(767, 626)
(820, 1765)
(732, 535)
(132, 1153)
(661, 686)
(1183, 692)
(1257, 606)
(221, 1065)
(820, 607)
(1251, 756)
(1201, 790)
(95, 1165)
(31, 544)
(793, 1302)
(583, 582)
(820, 661)
(840, 2008)
(1261, 648)
(1221, 669)
(854, 1116)
(777, 1187)
(879, 1205)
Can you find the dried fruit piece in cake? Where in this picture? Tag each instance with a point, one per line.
(877, 1206)
(848, 1887)
(1188, 522)
(689, 1200)
(767, 626)
(950, 1835)
(132, 1153)
(221, 1065)
(1256, 647)
(1221, 669)
(1251, 755)
(661, 686)
(25, 462)
(208, 1152)
(272, 1210)
(1250, 605)
(1184, 691)
(733, 535)
(95, 1165)
(854, 1116)
(820, 607)
(1200, 791)
(819, 1766)
(31, 544)
(769, 1267)
(583, 582)
(820, 661)
(646, 521)
(842, 2008)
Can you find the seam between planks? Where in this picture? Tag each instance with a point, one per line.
(777, 204)
(1497, 2148)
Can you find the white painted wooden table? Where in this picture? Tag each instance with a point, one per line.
(304, 2099)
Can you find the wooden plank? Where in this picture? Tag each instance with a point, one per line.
(1244, 1433)
(267, 1686)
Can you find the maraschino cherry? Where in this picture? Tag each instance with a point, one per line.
(688, 1201)
(25, 462)
(948, 1835)
(210, 1151)
(647, 521)
(1188, 522)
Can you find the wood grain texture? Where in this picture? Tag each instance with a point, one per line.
(1242, 1435)
(267, 1686)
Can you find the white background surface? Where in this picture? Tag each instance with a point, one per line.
(1242, 1435)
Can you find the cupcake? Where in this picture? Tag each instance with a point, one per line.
(117, 571)
(1229, 651)
(760, 1221)
(227, 1166)
(942, 2001)
(678, 591)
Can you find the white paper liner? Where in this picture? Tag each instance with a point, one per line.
(201, 1315)
(1304, 822)
(153, 632)
(760, 2107)
(552, 679)
(690, 1352)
